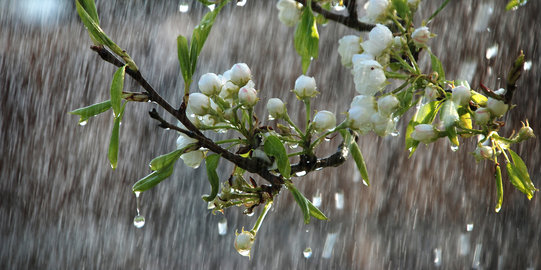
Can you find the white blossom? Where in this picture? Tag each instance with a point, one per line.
(383, 124)
(276, 108)
(305, 87)
(324, 120)
(347, 47)
(192, 159)
(449, 115)
(368, 102)
(240, 74)
(379, 39)
(431, 93)
(497, 107)
(481, 116)
(199, 104)
(376, 10)
(368, 77)
(424, 133)
(248, 96)
(421, 35)
(387, 104)
(289, 12)
(359, 118)
(210, 84)
(461, 95)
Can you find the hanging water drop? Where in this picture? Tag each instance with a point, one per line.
(327, 139)
(454, 148)
(139, 221)
(316, 200)
(339, 200)
(83, 123)
(307, 253)
(183, 7)
(365, 183)
(241, 3)
(211, 7)
(222, 226)
(301, 173)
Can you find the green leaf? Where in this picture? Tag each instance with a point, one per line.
(200, 34)
(211, 163)
(522, 171)
(315, 212)
(163, 161)
(184, 59)
(402, 8)
(515, 178)
(117, 85)
(437, 66)
(112, 153)
(274, 147)
(92, 110)
(499, 189)
(513, 4)
(154, 178)
(359, 160)
(306, 38)
(425, 115)
(90, 7)
(405, 98)
(301, 201)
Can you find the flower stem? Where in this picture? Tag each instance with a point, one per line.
(261, 217)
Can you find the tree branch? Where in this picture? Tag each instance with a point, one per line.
(350, 21)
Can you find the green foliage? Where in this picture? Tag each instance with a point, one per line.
(117, 85)
(275, 148)
(211, 163)
(308, 209)
(355, 151)
(184, 59)
(519, 176)
(92, 110)
(425, 115)
(306, 39)
(402, 8)
(513, 4)
(154, 178)
(437, 66)
(499, 188)
(112, 153)
(165, 160)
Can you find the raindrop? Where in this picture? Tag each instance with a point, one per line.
(437, 257)
(271, 118)
(338, 7)
(301, 173)
(250, 214)
(316, 200)
(492, 51)
(329, 244)
(211, 7)
(211, 205)
(241, 3)
(395, 133)
(139, 221)
(222, 226)
(307, 252)
(365, 183)
(293, 145)
(528, 65)
(454, 148)
(339, 200)
(469, 227)
(327, 139)
(183, 7)
(319, 168)
(477, 256)
(464, 244)
(86, 122)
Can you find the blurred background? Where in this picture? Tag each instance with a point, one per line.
(62, 207)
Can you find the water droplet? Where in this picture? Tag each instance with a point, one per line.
(454, 148)
(365, 183)
(183, 7)
(339, 200)
(271, 118)
(301, 173)
(211, 7)
(464, 244)
(307, 252)
(293, 145)
(316, 199)
(139, 221)
(327, 139)
(338, 7)
(241, 3)
(329, 244)
(492, 51)
(469, 227)
(395, 133)
(211, 205)
(83, 123)
(528, 65)
(477, 256)
(222, 226)
(319, 168)
(250, 214)
(437, 257)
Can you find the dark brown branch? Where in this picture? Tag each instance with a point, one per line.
(350, 21)
(308, 164)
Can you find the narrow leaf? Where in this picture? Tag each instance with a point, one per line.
(274, 147)
(402, 8)
(211, 162)
(184, 59)
(117, 85)
(153, 179)
(112, 153)
(437, 66)
(359, 161)
(523, 171)
(306, 38)
(92, 110)
(499, 189)
(90, 7)
(301, 201)
(163, 161)
(315, 212)
(515, 178)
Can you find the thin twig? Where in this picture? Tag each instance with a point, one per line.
(349, 21)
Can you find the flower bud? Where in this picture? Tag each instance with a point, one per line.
(244, 242)
(497, 107)
(368, 102)
(276, 108)
(431, 93)
(210, 84)
(376, 11)
(240, 74)
(483, 152)
(424, 133)
(383, 125)
(481, 116)
(525, 132)
(289, 12)
(361, 57)
(199, 104)
(449, 115)
(324, 120)
(248, 96)
(368, 77)
(305, 87)
(347, 47)
(229, 90)
(193, 159)
(461, 95)
(420, 35)
(359, 118)
(379, 39)
(387, 105)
